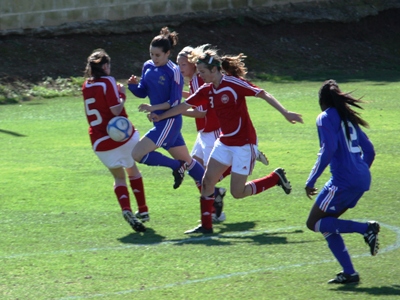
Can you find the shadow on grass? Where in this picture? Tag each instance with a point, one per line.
(229, 234)
(144, 238)
(378, 291)
(11, 133)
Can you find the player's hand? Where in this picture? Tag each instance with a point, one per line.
(145, 108)
(311, 191)
(133, 80)
(121, 88)
(293, 117)
(154, 117)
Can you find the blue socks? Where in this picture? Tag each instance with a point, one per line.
(154, 158)
(335, 225)
(339, 250)
(196, 171)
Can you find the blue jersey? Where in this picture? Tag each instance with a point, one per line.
(160, 84)
(349, 159)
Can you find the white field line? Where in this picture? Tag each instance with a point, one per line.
(394, 246)
(389, 248)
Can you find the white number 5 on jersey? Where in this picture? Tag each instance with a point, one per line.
(93, 112)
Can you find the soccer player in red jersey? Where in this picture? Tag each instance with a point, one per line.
(237, 146)
(104, 99)
(207, 125)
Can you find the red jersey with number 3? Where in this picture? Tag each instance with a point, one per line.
(99, 95)
(210, 122)
(229, 103)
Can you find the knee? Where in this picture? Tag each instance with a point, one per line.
(310, 224)
(237, 195)
(137, 157)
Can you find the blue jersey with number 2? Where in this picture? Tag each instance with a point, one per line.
(349, 159)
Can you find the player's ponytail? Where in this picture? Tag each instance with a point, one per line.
(95, 62)
(234, 65)
(166, 40)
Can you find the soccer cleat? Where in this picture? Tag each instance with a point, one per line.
(371, 237)
(262, 158)
(179, 174)
(221, 218)
(199, 229)
(343, 278)
(283, 182)
(133, 221)
(219, 201)
(142, 216)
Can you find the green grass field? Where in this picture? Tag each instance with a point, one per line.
(63, 235)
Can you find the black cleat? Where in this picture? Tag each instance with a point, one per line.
(142, 216)
(343, 278)
(219, 201)
(283, 182)
(133, 221)
(179, 174)
(371, 237)
(199, 229)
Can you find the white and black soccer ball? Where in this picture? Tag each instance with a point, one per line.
(119, 129)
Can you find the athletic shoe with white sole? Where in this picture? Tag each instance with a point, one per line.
(221, 218)
(371, 237)
(199, 229)
(261, 157)
(343, 278)
(133, 221)
(142, 216)
(283, 182)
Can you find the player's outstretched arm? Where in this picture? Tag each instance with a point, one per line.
(174, 111)
(292, 117)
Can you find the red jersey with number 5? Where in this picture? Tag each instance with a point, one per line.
(99, 95)
(229, 103)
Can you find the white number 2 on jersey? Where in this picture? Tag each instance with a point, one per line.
(93, 112)
(352, 144)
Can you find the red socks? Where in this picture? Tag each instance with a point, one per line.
(206, 208)
(264, 183)
(138, 190)
(121, 191)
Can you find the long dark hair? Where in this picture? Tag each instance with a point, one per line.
(330, 95)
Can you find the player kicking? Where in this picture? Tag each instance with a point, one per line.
(103, 101)
(237, 146)
(208, 128)
(349, 152)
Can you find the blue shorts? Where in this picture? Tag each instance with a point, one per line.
(333, 199)
(167, 133)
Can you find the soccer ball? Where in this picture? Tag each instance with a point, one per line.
(119, 129)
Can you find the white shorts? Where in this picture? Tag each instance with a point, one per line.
(241, 158)
(204, 144)
(121, 156)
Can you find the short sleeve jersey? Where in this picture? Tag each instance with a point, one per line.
(349, 158)
(99, 96)
(210, 122)
(229, 103)
(160, 84)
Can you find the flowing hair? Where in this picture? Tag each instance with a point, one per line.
(231, 64)
(330, 95)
